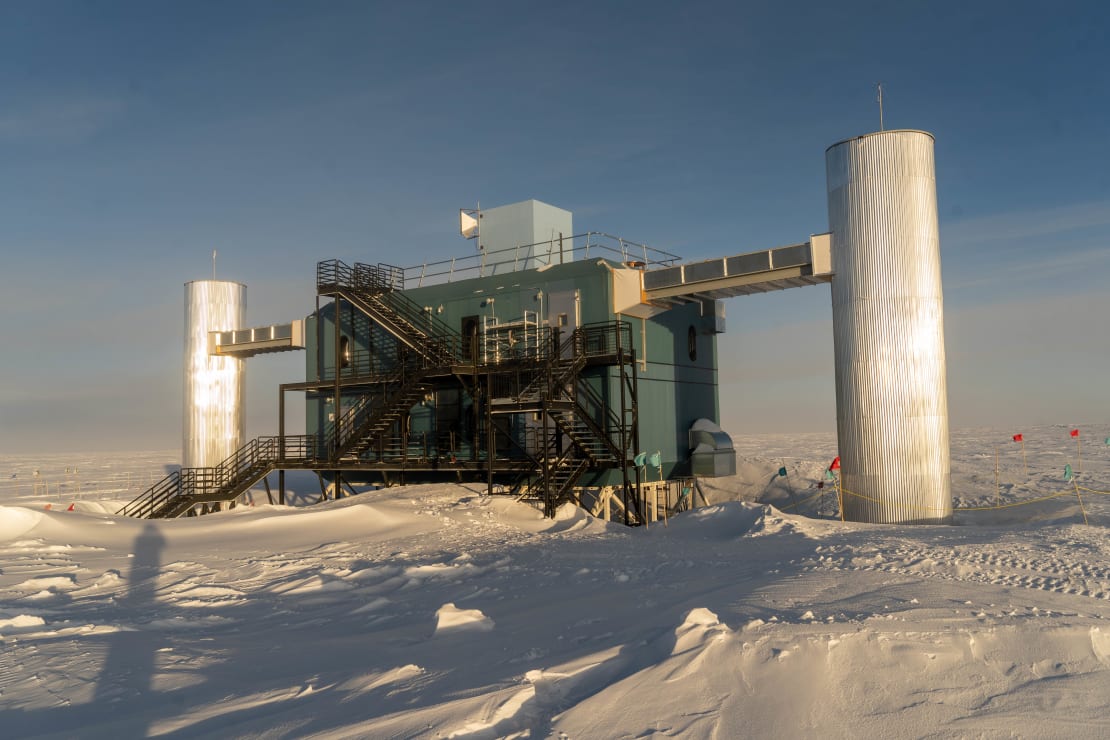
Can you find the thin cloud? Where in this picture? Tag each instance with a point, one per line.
(1057, 265)
(69, 118)
(1026, 224)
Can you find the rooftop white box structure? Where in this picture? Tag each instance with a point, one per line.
(524, 236)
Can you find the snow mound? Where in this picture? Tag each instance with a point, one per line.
(725, 521)
(1100, 645)
(46, 583)
(16, 521)
(699, 627)
(733, 520)
(21, 622)
(573, 518)
(449, 617)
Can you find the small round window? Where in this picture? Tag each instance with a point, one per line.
(692, 344)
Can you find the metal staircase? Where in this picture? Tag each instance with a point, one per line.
(374, 290)
(360, 427)
(181, 490)
(577, 413)
(368, 435)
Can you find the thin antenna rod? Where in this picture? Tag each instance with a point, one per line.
(481, 250)
(213, 264)
(880, 86)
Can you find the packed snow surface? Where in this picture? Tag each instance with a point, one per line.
(436, 611)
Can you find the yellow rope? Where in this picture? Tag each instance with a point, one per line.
(842, 490)
(1010, 506)
(966, 508)
(799, 503)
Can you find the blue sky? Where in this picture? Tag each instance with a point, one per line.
(135, 138)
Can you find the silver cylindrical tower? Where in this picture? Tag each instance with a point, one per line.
(214, 413)
(888, 329)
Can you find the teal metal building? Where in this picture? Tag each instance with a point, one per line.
(538, 364)
(544, 353)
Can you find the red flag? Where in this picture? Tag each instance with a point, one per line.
(71, 507)
(1018, 438)
(835, 465)
(1075, 432)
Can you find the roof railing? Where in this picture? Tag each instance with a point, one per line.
(592, 244)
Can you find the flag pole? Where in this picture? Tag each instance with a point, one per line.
(789, 483)
(1075, 483)
(1024, 464)
(1079, 446)
(996, 492)
(839, 495)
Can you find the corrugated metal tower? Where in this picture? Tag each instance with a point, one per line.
(888, 329)
(214, 413)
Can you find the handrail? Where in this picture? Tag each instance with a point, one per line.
(152, 499)
(604, 338)
(349, 421)
(552, 251)
(185, 485)
(366, 365)
(334, 273)
(373, 417)
(423, 321)
(613, 422)
(399, 315)
(599, 339)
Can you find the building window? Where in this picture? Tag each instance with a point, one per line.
(692, 344)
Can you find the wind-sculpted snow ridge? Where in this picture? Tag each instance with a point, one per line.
(15, 521)
(434, 611)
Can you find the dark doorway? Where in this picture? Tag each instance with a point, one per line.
(470, 337)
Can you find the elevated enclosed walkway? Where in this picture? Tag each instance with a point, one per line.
(259, 340)
(793, 266)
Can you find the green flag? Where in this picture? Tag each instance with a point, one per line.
(829, 475)
(639, 460)
(656, 459)
(1067, 472)
(1108, 440)
(782, 472)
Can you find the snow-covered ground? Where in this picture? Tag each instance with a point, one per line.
(434, 611)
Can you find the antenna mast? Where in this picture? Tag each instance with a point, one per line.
(880, 98)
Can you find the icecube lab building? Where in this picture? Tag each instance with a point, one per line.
(556, 366)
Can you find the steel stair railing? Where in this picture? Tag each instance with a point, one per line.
(437, 350)
(375, 291)
(378, 421)
(153, 498)
(179, 491)
(562, 474)
(562, 364)
(585, 418)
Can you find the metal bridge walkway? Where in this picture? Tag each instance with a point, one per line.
(794, 266)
